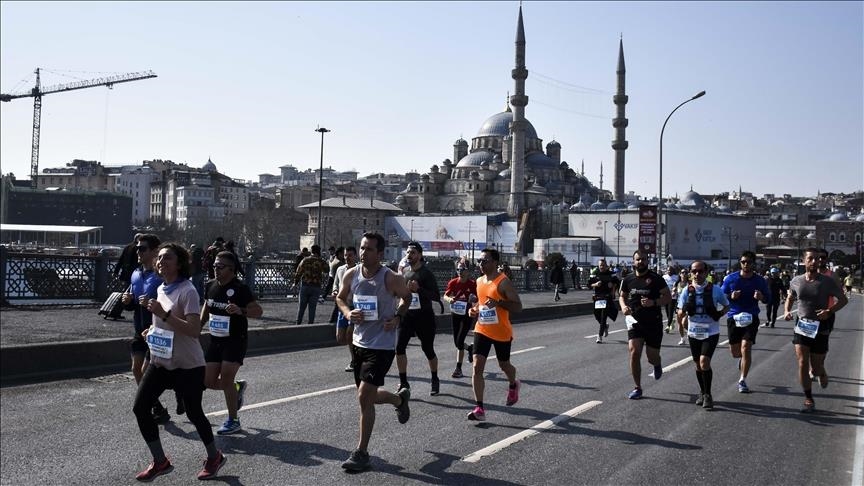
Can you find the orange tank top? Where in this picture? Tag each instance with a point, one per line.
(492, 323)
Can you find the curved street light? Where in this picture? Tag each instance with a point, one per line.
(660, 196)
(322, 130)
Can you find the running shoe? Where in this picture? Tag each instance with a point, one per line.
(599, 339)
(700, 399)
(681, 342)
(436, 387)
(181, 407)
(154, 470)
(668, 329)
(161, 415)
(470, 349)
(230, 426)
(606, 332)
(403, 413)
(477, 414)
(240, 385)
(357, 461)
(349, 368)
(457, 373)
(636, 394)
(823, 380)
(742, 387)
(809, 406)
(658, 371)
(212, 466)
(772, 324)
(513, 393)
(812, 376)
(708, 402)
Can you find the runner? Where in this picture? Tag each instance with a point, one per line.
(420, 320)
(368, 296)
(229, 302)
(177, 361)
(847, 282)
(460, 293)
(744, 289)
(643, 293)
(344, 328)
(671, 279)
(778, 290)
(496, 299)
(683, 282)
(604, 283)
(815, 322)
(702, 304)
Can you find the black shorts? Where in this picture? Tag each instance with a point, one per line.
(652, 333)
(482, 346)
(819, 344)
(420, 325)
(137, 345)
(461, 325)
(229, 349)
(737, 334)
(703, 347)
(371, 365)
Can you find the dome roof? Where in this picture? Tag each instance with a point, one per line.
(460, 143)
(539, 160)
(579, 206)
(209, 166)
(616, 205)
(838, 217)
(692, 199)
(860, 218)
(498, 125)
(476, 159)
(504, 174)
(809, 202)
(553, 143)
(598, 205)
(633, 206)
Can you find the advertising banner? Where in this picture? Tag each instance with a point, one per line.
(648, 228)
(440, 233)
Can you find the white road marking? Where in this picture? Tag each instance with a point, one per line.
(520, 351)
(287, 399)
(684, 361)
(858, 455)
(545, 425)
(593, 336)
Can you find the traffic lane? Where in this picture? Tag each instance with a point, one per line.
(427, 448)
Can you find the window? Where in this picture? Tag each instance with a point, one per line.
(842, 237)
(832, 237)
(857, 237)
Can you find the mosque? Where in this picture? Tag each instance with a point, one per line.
(506, 168)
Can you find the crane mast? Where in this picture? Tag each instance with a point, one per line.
(37, 92)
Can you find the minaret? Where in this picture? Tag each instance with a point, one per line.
(601, 176)
(517, 128)
(620, 125)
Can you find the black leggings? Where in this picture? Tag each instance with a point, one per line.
(188, 383)
(772, 312)
(461, 326)
(421, 325)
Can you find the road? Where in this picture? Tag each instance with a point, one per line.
(574, 420)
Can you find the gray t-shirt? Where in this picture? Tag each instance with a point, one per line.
(813, 295)
(372, 295)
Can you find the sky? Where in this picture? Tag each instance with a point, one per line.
(397, 83)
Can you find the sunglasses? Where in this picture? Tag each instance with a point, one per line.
(697, 271)
(746, 262)
(220, 266)
(481, 261)
(142, 248)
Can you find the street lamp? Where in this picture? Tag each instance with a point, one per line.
(604, 238)
(660, 196)
(321, 130)
(411, 237)
(469, 240)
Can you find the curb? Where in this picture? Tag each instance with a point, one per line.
(35, 363)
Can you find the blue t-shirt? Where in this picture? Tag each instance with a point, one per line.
(748, 286)
(143, 283)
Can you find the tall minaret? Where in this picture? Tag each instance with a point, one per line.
(601, 176)
(620, 125)
(517, 128)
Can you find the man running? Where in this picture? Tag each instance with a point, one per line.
(461, 293)
(815, 322)
(496, 299)
(778, 290)
(604, 283)
(420, 320)
(671, 279)
(703, 304)
(227, 305)
(643, 293)
(745, 289)
(368, 296)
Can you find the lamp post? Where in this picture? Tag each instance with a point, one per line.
(411, 236)
(660, 196)
(322, 131)
(469, 240)
(604, 238)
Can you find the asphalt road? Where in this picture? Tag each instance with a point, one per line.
(301, 420)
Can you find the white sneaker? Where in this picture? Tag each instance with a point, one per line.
(599, 339)
(681, 342)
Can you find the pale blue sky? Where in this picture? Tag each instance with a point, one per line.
(399, 82)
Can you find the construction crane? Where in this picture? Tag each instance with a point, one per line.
(37, 92)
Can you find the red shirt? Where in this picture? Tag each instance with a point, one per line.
(461, 290)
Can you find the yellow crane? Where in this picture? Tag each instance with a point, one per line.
(38, 91)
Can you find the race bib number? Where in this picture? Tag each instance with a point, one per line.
(161, 342)
(220, 326)
(459, 307)
(369, 305)
(743, 319)
(630, 321)
(698, 330)
(487, 315)
(600, 304)
(807, 327)
(415, 301)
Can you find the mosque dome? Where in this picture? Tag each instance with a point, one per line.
(553, 144)
(579, 206)
(692, 199)
(539, 160)
(476, 159)
(498, 125)
(504, 174)
(616, 205)
(209, 166)
(838, 217)
(860, 218)
(598, 206)
(633, 206)
(809, 203)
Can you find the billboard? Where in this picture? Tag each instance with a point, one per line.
(438, 233)
(648, 228)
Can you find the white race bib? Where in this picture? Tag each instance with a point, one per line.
(600, 304)
(743, 319)
(630, 321)
(487, 315)
(415, 301)
(220, 326)
(698, 330)
(161, 342)
(459, 307)
(807, 327)
(369, 305)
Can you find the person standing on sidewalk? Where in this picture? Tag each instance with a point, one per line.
(702, 304)
(461, 293)
(344, 328)
(496, 299)
(229, 303)
(556, 278)
(816, 312)
(177, 361)
(310, 274)
(420, 320)
(643, 293)
(604, 283)
(368, 295)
